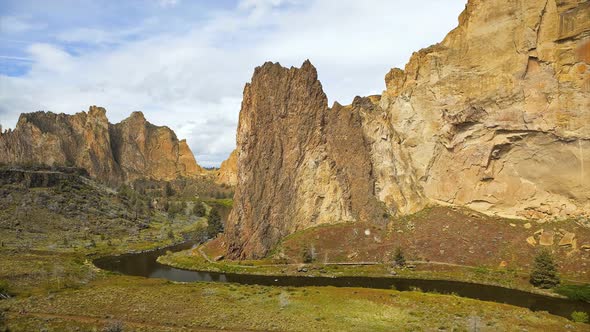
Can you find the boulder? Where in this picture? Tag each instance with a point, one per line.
(547, 238)
(531, 240)
(567, 239)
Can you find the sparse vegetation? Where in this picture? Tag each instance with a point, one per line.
(544, 273)
(580, 317)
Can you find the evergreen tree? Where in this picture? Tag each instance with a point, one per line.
(544, 274)
(214, 226)
(399, 259)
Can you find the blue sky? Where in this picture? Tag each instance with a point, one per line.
(184, 63)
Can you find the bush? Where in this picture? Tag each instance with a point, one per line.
(399, 259)
(307, 254)
(174, 209)
(199, 209)
(580, 317)
(4, 289)
(544, 273)
(168, 191)
(115, 326)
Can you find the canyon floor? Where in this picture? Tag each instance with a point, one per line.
(83, 298)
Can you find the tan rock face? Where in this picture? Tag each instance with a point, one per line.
(228, 171)
(145, 150)
(116, 153)
(495, 118)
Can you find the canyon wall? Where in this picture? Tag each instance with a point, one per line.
(496, 117)
(123, 152)
(228, 171)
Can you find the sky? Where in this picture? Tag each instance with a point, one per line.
(184, 63)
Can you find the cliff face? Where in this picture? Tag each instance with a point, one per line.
(495, 118)
(116, 153)
(228, 171)
(145, 150)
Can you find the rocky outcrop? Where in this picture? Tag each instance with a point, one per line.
(145, 150)
(495, 118)
(228, 171)
(118, 153)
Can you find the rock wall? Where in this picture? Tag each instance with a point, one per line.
(495, 118)
(118, 153)
(228, 171)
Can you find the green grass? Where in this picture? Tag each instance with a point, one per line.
(225, 202)
(575, 292)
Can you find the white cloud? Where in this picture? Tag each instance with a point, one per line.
(192, 80)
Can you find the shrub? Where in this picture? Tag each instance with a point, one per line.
(199, 209)
(114, 326)
(307, 254)
(4, 289)
(168, 191)
(580, 317)
(399, 258)
(544, 273)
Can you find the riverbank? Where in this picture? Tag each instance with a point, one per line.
(140, 304)
(195, 259)
(71, 294)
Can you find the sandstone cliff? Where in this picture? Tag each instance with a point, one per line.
(495, 118)
(228, 171)
(131, 149)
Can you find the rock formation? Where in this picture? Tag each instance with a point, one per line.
(495, 118)
(228, 171)
(123, 152)
(144, 150)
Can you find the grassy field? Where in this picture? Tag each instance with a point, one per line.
(140, 304)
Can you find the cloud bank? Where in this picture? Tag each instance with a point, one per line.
(184, 64)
